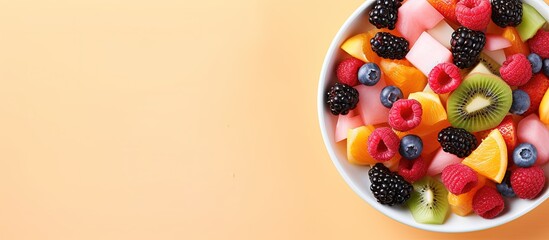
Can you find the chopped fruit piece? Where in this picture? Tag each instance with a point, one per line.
(341, 98)
(544, 109)
(389, 46)
(427, 52)
(497, 56)
(527, 183)
(434, 114)
(393, 163)
(494, 29)
(369, 106)
(442, 32)
(488, 203)
(440, 161)
(490, 157)
(412, 170)
(357, 141)
(347, 71)
(540, 43)
(474, 14)
(346, 122)
(353, 46)
(446, 7)
(383, 144)
(415, 17)
(384, 13)
(516, 70)
(536, 88)
(507, 12)
(496, 42)
(532, 130)
(405, 114)
(388, 187)
(508, 130)
(517, 45)
(463, 204)
(459, 178)
(466, 47)
(531, 22)
(444, 78)
(398, 74)
(429, 201)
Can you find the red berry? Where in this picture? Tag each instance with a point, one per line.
(516, 70)
(474, 14)
(444, 78)
(488, 203)
(383, 144)
(527, 183)
(347, 71)
(405, 114)
(459, 178)
(535, 88)
(540, 43)
(412, 170)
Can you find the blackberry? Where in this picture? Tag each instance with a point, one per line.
(342, 98)
(389, 188)
(385, 13)
(457, 141)
(507, 12)
(466, 46)
(390, 46)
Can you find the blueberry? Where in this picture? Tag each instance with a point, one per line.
(505, 186)
(369, 74)
(521, 102)
(546, 67)
(390, 95)
(410, 147)
(535, 61)
(525, 155)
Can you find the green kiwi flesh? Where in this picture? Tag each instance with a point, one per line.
(429, 201)
(490, 64)
(479, 103)
(532, 21)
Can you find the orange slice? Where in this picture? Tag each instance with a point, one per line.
(517, 45)
(434, 115)
(490, 157)
(354, 45)
(400, 73)
(357, 145)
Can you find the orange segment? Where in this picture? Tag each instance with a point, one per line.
(517, 45)
(357, 145)
(434, 114)
(400, 73)
(490, 157)
(463, 204)
(353, 46)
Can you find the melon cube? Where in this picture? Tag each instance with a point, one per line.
(497, 55)
(369, 106)
(415, 17)
(532, 130)
(440, 161)
(496, 42)
(442, 32)
(427, 53)
(345, 122)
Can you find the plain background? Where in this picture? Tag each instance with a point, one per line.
(173, 119)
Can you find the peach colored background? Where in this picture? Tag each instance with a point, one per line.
(169, 119)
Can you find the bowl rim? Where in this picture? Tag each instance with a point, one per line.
(322, 114)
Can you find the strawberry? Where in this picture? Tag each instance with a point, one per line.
(535, 88)
(508, 130)
(446, 7)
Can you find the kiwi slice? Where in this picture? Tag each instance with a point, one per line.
(490, 63)
(532, 21)
(429, 201)
(479, 103)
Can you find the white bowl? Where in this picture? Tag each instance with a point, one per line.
(357, 176)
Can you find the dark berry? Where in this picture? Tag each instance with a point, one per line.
(341, 98)
(410, 147)
(505, 186)
(388, 188)
(457, 141)
(525, 155)
(507, 12)
(521, 102)
(389, 95)
(369, 74)
(546, 67)
(536, 62)
(387, 45)
(466, 46)
(384, 14)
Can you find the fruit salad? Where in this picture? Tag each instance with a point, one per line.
(449, 109)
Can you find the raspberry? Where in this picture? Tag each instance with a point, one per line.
(444, 78)
(528, 182)
(516, 70)
(488, 203)
(383, 144)
(540, 43)
(459, 178)
(412, 170)
(474, 14)
(347, 71)
(405, 114)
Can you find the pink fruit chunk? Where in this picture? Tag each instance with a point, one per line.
(496, 55)
(345, 122)
(427, 53)
(416, 16)
(532, 130)
(440, 161)
(442, 32)
(369, 106)
(496, 42)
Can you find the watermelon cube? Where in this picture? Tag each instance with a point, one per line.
(496, 55)
(496, 42)
(442, 32)
(345, 122)
(427, 53)
(369, 105)
(415, 17)
(532, 130)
